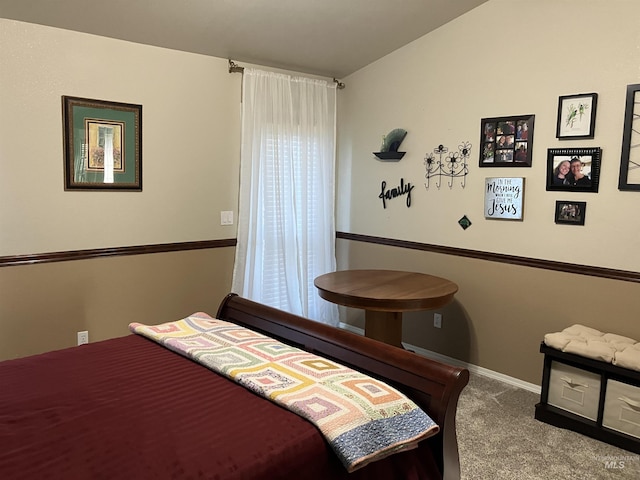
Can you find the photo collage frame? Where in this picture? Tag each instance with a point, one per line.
(506, 141)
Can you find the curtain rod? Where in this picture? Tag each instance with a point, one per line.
(235, 68)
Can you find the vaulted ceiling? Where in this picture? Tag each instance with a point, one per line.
(332, 38)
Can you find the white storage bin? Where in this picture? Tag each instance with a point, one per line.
(622, 408)
(574, 390)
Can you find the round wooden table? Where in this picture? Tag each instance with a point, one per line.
(384, 295)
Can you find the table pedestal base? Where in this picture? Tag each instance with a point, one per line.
(384, 326)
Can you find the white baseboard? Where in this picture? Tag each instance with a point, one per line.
(516, 382)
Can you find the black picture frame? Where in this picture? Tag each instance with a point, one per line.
(102, 145)
(570, 213)
(506, 141)
(589, 158)
(576, 116)
(629, 178)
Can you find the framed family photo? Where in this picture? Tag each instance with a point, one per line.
(573, 169)
(102, 145)
(506, 141)
(577, 116)
(570, 213)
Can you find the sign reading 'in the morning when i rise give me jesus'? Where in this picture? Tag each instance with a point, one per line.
(503, 198)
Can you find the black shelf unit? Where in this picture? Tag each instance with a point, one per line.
(565, 419)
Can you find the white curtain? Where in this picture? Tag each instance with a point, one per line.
(286, 229)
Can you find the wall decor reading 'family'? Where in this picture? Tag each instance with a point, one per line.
(448, 164)
(506, 141)
(570, 213)
(102, 145)
(503, 198)
(573, 169)
(630, 161)
(391, 193)
(577, 116)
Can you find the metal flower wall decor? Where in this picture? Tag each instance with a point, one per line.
(447, 164)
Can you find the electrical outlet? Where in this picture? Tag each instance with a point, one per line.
(437, 320)
(83, 337)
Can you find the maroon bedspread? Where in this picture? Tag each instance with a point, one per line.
(128, 408)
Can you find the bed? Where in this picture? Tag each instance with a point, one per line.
(129, 408)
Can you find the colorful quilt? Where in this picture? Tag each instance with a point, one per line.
(361, 418)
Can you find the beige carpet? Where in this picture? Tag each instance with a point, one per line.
(500, 439)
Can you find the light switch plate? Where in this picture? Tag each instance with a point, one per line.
(226, 217)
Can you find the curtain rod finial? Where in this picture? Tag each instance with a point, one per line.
(339, 84)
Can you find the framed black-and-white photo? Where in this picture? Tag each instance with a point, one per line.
(573, 169)
(577, 116)
(570, 213)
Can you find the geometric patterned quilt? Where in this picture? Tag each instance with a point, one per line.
(361, 418)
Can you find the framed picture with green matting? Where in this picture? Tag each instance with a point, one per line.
(102, 145)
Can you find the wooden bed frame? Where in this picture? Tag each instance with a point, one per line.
(434, 386)
(128, 408)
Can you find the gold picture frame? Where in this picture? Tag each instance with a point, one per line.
(102, 144)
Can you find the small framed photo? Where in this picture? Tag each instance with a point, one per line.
(577, 116)
(570, 213)
(102, 145)
(506, 141)
(573, 169)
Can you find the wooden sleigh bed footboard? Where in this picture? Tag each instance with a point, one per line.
(434, 386)
(133, 407)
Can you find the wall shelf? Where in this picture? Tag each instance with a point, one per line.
(389, 156)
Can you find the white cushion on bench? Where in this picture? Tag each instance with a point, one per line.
(628, 358)
(591, 343)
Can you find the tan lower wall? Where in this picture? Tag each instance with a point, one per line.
(43, 306)
(501, 312)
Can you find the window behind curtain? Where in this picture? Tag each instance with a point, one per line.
(286, 231)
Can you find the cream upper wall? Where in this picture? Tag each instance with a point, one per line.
(506, 57)
(190, 142)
